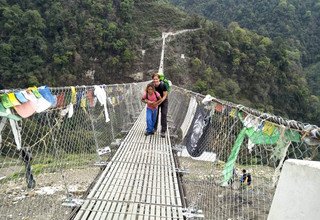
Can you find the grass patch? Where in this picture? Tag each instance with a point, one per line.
(42, 164)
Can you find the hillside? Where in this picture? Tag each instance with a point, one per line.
(61, 43)
(295, 21)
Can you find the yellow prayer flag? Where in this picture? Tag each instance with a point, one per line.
(233, 112)
(73, 95)
(114, 101)
(13, 99)
(268, 128)
(35, 91)
(83, 102)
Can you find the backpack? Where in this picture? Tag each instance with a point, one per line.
(248, 179)
(166, 81)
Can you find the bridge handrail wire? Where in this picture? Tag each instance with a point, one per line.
(61, 153)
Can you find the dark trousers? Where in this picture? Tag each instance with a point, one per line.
(163, 110)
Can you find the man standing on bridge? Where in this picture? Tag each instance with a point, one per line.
(163, 106)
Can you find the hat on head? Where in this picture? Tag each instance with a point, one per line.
(6, 114)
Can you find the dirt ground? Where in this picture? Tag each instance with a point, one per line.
(46, 199)
(203, 191)
(202, 186)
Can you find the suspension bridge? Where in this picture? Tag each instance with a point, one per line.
(81, 153)
(83, 158)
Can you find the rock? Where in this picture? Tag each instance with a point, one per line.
(137, 76)
(31, 194)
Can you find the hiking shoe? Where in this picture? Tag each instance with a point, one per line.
(148, 133)
(163, 134)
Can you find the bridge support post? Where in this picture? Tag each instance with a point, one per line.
(297, 194)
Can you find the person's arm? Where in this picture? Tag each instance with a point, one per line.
(155, 104)
(165, 94)
(158, 102)
(144, 98)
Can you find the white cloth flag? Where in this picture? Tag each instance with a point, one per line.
(102, 98)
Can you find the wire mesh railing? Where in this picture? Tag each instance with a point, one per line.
(49, 158)
(231, 156)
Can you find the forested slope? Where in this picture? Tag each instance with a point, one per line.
(293, 24)
(297, 22)
(61, 43)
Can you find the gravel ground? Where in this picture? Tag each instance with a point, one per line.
(202, 187)
(45, 200)
(203, 191)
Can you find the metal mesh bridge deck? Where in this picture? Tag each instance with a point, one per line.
(140, 181)
(46, 160)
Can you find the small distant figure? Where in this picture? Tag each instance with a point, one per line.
(245, 178)
(234, 177)
(152, 99)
